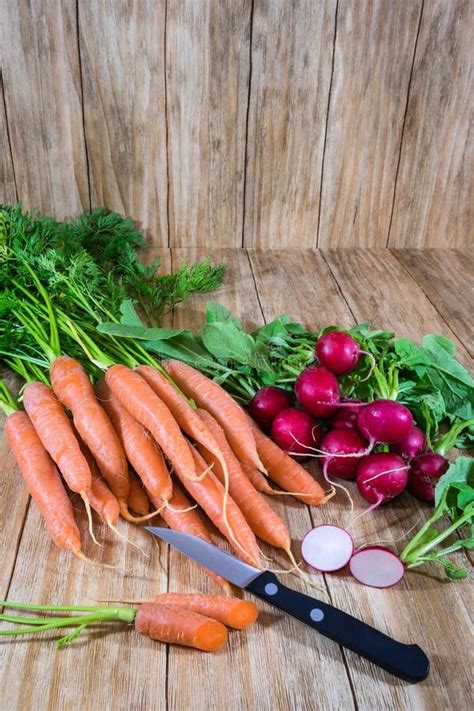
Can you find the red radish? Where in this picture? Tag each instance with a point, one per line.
(327, 548)
(377, 567)
(380, 477)
(339, 352)
(410, 446)
(384, 421)
(267, 403)
(425, 470)
(346, 415)
(342, 442)
(318, 391)
(296, 431)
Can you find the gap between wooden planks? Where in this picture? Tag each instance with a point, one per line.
(280, 664)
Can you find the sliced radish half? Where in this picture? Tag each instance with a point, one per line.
(327, 548)
(377, 567)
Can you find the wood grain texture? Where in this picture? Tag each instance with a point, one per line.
(122, 53)
(415, 610)
(374, 49)
(40, 66)
(378, 289)
(447, 278)
(7, 174)
(434, 204)
(207, 66)
(291, 70)
(263, 674)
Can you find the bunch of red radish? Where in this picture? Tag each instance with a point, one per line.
(352, 429)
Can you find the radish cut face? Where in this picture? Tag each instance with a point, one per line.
(377, 567)
(327, 548)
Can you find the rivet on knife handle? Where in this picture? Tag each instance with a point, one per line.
(407, 661)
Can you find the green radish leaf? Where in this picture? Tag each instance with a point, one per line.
(226, 341)
(461, 471)
(217, 312)
(183, 346)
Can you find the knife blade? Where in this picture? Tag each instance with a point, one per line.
(406, 661)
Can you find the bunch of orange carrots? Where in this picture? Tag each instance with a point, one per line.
(181, 433)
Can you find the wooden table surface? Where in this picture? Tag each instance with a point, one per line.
(280, 663)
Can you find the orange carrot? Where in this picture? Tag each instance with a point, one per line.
(262, 519)
(57, 436)
(43, 482)
(231, 611)
(167, 623)
(74, 389)
(184, 414)
(145, 406)
(210, 494)
(288, 474)
(56, 433)
(180, 517)
(103, 501)
(137, 499)
(212, 397)
(140, 447)
(258, 480)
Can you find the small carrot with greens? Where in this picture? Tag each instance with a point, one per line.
(55, 431)
(145, 406)
(210, 495)
(164, 623)
(231, 611)
(212, 397)
(288, 474)
(73, 388)
(140, 447)
(262, 519)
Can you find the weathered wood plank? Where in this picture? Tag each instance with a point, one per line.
(378, 289)
(413, 611)
(7, 175)
(40, 66)
(291, 70)
(433, 201)
(257, 679)
(113, 668)
(122, 48)
(207, 66)
(374, 50)
(446, 277)
(13, 503)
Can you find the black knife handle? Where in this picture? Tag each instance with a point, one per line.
(406, 661)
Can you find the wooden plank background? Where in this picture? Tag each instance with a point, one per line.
(258, 123)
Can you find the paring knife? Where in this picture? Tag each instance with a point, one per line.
(406, 661)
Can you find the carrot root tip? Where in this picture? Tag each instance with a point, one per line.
(89, 518)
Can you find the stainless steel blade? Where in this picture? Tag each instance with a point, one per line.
(211, 557)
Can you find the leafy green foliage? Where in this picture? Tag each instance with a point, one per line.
(454, 497)
(61, 279)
